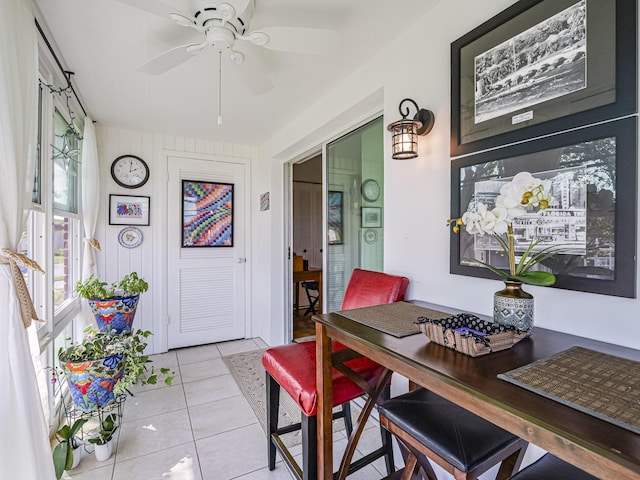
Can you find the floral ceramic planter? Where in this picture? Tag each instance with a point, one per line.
(91, 382)
(115, 313)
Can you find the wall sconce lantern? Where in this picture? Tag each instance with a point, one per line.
(404, 133)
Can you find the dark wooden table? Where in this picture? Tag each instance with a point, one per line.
(594, 445)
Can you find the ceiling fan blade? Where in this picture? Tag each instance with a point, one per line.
(169, 59)
(297, 39)
(155, 7)
(252, 76)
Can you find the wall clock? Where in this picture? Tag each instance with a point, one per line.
(129, 171)
(370, 190)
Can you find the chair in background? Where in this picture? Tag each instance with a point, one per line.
(465, 445)
(310, 288)
(549, 467)
(293, 368)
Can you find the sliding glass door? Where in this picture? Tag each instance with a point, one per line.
(355, 207)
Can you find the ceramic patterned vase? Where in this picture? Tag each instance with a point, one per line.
(115, 313)
(91, 382)
(513, 306)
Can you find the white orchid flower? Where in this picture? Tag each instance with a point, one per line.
(502, 220)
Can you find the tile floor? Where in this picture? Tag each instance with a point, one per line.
(200, 428)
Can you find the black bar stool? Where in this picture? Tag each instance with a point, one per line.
(465, 445)
(549, 467)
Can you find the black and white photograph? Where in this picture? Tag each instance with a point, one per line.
(544, 62)
(539, 67)
(563, 224)
(584, 221)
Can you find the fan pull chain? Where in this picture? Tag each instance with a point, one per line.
(219, 87)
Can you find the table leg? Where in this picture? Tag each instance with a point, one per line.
(296, 294)
(324, 385)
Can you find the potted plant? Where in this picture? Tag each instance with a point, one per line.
(103, 441)
(114, 306)
(106, 364)
(520, 197)
(63, 453)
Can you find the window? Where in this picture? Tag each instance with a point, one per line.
(66, 159)
(52, 234)
(66, 150)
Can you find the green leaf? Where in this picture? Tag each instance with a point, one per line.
(60, 458)
(542, 279)
(495, 270)
(65, 432)
(77, 426)
(168, 381)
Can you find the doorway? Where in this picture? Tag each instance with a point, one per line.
(337, 219)
(307, 244)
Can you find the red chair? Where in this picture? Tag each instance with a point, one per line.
(293, 367)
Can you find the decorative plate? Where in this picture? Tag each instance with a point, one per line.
(130, 237)
(370, 236)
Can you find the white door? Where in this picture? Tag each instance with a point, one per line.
(206, 286)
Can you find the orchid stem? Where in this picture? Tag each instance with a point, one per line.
(512, 256)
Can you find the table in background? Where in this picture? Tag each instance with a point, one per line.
(594, 445)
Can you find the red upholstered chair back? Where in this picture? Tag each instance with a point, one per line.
(367, 288)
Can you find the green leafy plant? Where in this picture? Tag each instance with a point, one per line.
(108, 427)
(131, 346)
(129, 285)
(63, 452)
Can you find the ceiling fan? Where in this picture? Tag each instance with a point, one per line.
(224, 22)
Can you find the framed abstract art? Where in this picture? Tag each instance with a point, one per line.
(207, 214)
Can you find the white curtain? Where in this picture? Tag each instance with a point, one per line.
(90, 197)
(25, 452)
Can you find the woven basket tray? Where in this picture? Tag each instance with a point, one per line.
(468, 334)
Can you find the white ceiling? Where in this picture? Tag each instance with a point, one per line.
(104, 41)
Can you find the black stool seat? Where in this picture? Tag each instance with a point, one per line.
(458, 437)
(552, 468)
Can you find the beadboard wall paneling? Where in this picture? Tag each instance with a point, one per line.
(149, 259)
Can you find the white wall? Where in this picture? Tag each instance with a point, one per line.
(417, 192)
(150, 258)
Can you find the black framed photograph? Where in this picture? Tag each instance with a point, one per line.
(591, 173)
(335, 228)
(542, 66)
(371, 217)
(128, 210)
(207, 214)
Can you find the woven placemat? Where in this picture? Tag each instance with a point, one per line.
(601, 385)
(397, 319)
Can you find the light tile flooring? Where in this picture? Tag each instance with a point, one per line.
(200, 428)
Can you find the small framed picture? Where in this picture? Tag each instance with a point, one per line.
(371, 217)
(128, 210)
(334, 215)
